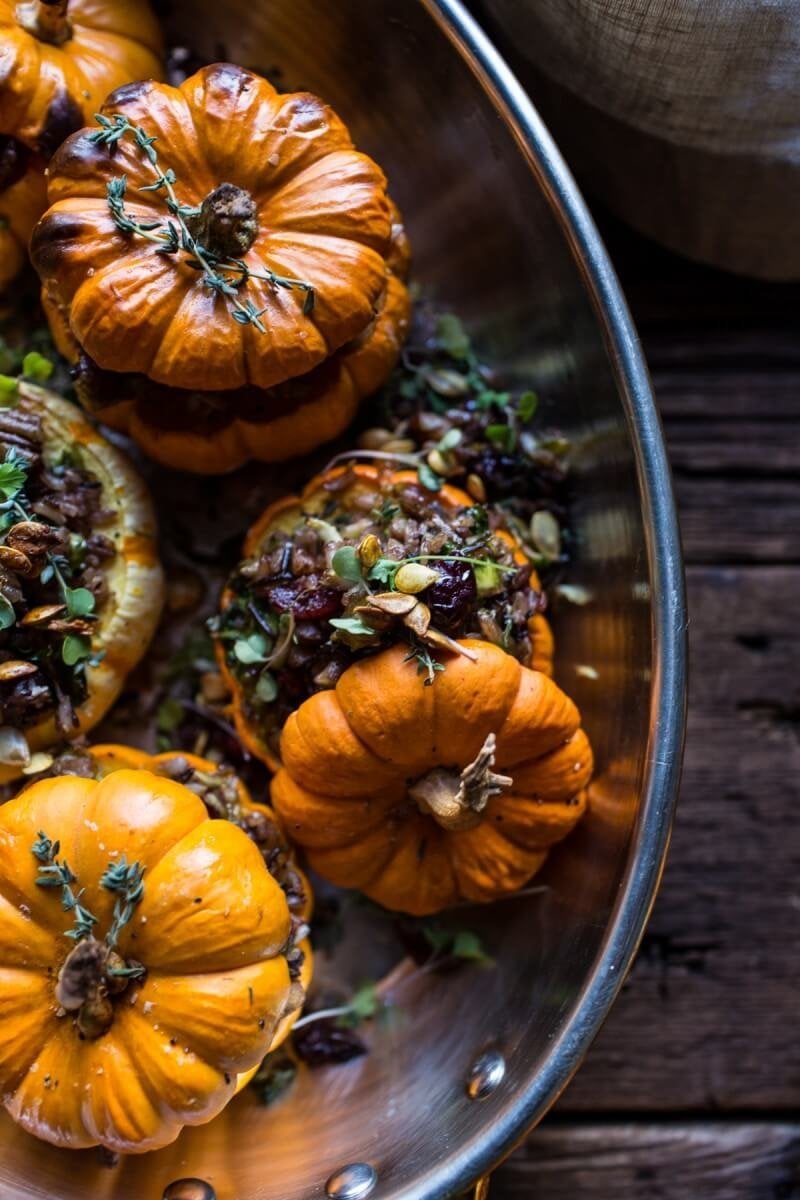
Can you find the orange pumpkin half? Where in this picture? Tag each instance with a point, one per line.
(424, 797)
(142, 966)
(81, 585)
(275, 641)
(247, 247)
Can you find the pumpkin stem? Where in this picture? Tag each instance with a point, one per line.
(227, 223)
(89, 976)
(46, 20)
(457, 799)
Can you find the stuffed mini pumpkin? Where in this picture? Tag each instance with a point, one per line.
(227, 267)
(142, 960)
(59, 59)
(424, 797)
(364, 558)
(23, 199)
(80, 582)
(226, 797)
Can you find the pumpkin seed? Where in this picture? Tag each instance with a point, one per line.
(442, 464)
(15, 668)
(399, 446)
(15, 560)
(545, 533)
(395, 603)
(446, 382)
(39, 762)
(374, 439)
(574, 593)
(442, 642)
(43, 614)
(418, 619)
(476, 489)
(14, 748)
(370, 551)
(415, 577)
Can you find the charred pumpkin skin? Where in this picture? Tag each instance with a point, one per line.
(216, 982)
(323, 215)
(352, 755)
(129, 619)
(332, 397)
(112, 757)
(21, 205)
(58, 66)
(286, 512)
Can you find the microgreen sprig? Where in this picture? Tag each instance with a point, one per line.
(56, 874)
(126, 880)
(224, 276)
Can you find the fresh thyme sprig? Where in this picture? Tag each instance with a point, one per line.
(126, 881)
(225, 276)
(55, 874)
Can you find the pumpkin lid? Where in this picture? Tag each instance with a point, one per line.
(215, 235)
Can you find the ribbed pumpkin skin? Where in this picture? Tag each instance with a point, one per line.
(323, 216)
(48, 91)
(283, 512)
(110, 758)
(350, 754)
(21, 205)
(209, 929)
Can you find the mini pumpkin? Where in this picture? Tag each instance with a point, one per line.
(80, 582)
(424, 797)
(226, 796)
(59, 59)
(462, 576)
(23, 199)
(254, 314)
(142, 966)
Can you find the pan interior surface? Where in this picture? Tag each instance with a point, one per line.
(491, 245)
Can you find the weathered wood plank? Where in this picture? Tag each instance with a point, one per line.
(694, 1161)
(731, 395)
(740, 520)
(708, 1014)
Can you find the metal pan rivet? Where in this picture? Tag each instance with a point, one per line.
(353, 1182)
(486, 1073)
(189, 1189)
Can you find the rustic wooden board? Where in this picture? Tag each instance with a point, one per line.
(680, 1161)
(706, 1024)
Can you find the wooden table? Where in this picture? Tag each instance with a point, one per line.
(692, 1090)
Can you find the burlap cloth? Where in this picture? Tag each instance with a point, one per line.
(683, 115)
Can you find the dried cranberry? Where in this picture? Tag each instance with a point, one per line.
(325, 1042)
(307, 598)
(453, 595)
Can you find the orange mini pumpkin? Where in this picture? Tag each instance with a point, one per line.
(23, 199)
(81, 585)
(367, 509)
(424, 797)
(142, 960)
(59, 59)
(260, 255)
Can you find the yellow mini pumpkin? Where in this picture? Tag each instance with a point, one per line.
(261, 258)
(80, 582)
(422, 797)
(142, 960)
(59, 59)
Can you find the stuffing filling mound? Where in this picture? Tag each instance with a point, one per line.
(380, 559)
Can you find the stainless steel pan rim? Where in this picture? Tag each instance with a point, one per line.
(650, 839)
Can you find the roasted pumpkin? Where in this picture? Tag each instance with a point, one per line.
(424, 797)
(225, 796)
(363, 558)
(142, 960)
(59, 59)
(261, 258)
(80, 582)
(23, 199)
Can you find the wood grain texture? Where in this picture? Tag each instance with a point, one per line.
(706, 1024)
(682, 1161)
